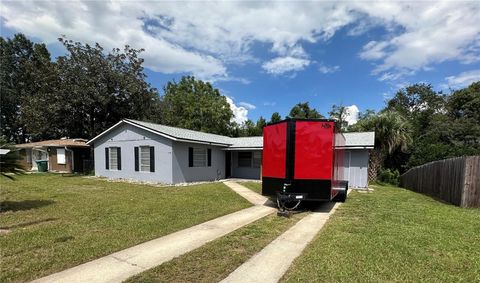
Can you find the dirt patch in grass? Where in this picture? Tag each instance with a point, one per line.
(216, 260)
(393, 235)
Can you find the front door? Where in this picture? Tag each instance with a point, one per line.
(228, 164)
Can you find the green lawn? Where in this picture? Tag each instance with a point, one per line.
(254, 186)
(393, 234)
(217, 259)
(49, 222)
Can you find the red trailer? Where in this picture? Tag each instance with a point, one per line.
(303, 160)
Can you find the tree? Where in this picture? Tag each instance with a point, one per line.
(261, 122)
(250, 129)
(417, 103)
(95, 90)
(392, 133)
(452, 132)
(339, 113)
(275, 117)
(9, 162)
(24, 74)
(303, 110)
(196, 105)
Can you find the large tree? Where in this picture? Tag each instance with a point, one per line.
(95, 90)
(25, 74)
(392, 133)
(339, 113)
(303, 110)
(275, 117)
(197, 105)
(454, 131)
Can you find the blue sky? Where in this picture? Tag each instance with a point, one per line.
(268, 56)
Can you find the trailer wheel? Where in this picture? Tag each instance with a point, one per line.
(342, 196)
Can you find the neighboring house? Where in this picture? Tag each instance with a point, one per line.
(151, 152)
(63, 155)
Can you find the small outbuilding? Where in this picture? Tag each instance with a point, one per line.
(63, 155)
(357, 155)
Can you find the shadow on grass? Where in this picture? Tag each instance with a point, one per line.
(23, 205)
(26, 224)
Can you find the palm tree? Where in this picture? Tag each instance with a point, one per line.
(392, 132)
(9, 164)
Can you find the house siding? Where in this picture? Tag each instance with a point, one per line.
(23, 161)
(356, 167)
(244, 172)
(183, 173)
(127, 137)
(52, 160)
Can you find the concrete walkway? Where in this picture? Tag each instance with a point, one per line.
(121, 265)
(246, 193)
(273, 261)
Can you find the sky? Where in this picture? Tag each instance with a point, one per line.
(268, 56)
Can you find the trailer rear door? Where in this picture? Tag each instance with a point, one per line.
(274, 150)
(314, 150)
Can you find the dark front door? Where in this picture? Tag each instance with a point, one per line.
(228, 164)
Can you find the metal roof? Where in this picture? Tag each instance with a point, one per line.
(352, 140)
(247, 142)
(184, 134)
(359, 139)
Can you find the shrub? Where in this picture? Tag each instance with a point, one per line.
(389, 176)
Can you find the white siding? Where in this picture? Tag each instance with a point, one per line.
(356, 168)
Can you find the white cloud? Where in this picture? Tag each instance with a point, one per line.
(178, 38)
(422, 34)
(324, 69)
(351, 114)
(240, 113)
(281, 65)
(269, 103)
(463, 79)
(247, 105)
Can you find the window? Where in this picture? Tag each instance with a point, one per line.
(113, 158)
(257, 159)
(244, 159)
(199, 157)
(60, 156)
(145, 158)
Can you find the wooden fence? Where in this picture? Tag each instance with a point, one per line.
(454, 180)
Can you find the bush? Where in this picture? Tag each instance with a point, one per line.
(389, 176)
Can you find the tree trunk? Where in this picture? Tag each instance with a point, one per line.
(375, 163)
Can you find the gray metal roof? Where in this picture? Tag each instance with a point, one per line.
(184, 134)
(359, 139)
(247, 142)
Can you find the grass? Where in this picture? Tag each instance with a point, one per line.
(254, 186)
(217, 259)
(393, 235)
(50, 222)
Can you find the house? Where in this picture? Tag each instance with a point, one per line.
(151, 152)
(63, 155)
